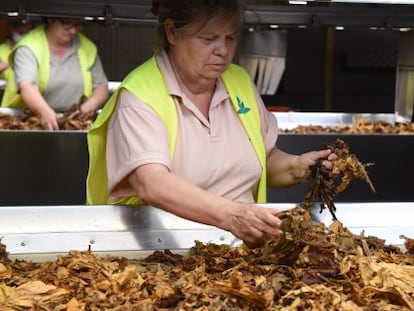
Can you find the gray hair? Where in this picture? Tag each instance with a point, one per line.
(184, 12)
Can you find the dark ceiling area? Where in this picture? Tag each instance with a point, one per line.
(264, 12)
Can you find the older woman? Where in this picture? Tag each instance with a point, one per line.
(55, 67)
(187, 131)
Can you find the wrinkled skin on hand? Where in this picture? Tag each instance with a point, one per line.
(48, 119)
(253, 224)
(306, 160)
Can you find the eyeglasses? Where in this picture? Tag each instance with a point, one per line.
(67, 25)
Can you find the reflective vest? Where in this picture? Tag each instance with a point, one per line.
(4, 57)
(37, 42)
(146, 82)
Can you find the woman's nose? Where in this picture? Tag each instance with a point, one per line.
(73, 30)
(222, 48)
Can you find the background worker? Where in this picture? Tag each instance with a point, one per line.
(16, 31)
(187, 131)
(56, 66)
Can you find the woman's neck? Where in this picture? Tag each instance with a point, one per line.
(188, 82)
(199, 91)
(57, 47)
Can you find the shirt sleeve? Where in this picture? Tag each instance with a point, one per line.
(269, 124)
(98, 74)
(136, 136)
(25, 65)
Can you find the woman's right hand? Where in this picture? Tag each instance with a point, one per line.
(37, 104)
(48, 119)
(252, 223)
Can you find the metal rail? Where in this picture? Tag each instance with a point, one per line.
(59, 229)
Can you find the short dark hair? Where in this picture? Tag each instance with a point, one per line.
(184, 12)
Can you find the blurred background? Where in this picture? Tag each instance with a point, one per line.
(304, 55)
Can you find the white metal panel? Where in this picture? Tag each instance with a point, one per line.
(59, 229)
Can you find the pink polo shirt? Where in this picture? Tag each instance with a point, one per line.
(213, 154)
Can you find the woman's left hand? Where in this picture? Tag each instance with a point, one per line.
(304, 162)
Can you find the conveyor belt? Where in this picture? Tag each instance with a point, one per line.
(38, 230)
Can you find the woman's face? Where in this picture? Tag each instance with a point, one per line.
(207, 52)
(65, 29)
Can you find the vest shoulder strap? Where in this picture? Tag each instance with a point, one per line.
(145, 82)
(242, 95)
(87, 53)
(36, 41)
(4, 56)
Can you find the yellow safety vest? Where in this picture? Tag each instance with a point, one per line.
(37, 42)
(147, 83)
(4, 57)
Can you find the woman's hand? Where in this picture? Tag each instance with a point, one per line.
(87, 108)
(285, 169)
(49, 119)
(37, 104)
(251, 223)
(96, 100)
(255, 224)
(303, 163)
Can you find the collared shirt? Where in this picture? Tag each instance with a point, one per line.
(65, 86)
(215, 153)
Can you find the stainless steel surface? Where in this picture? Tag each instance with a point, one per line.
(404, 94)
(384, 220)
(113, 85)
(51, 229)
(109, 229)
(55, 229)
(404, 89)
(11, 111)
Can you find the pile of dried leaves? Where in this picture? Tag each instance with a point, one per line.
(72, 119)
(310, 267)
(359, 126)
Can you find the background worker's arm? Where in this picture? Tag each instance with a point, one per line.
(38, 105)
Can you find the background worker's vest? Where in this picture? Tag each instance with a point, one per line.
(5, 51)
(36, 41)
(146, 83)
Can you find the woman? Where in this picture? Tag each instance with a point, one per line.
(17, 29)
(187, 131)
(55, 67)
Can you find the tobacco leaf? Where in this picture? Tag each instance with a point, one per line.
(310, 267)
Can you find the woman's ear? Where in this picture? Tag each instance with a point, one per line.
(170, 31)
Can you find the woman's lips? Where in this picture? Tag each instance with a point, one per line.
(218, 66)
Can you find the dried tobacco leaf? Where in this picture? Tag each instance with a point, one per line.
(359, 126)
(72, 119)
(325, 184)
(409, 244)
(310, 267)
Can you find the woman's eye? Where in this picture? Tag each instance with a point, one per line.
(208, 39)
(234, 37)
